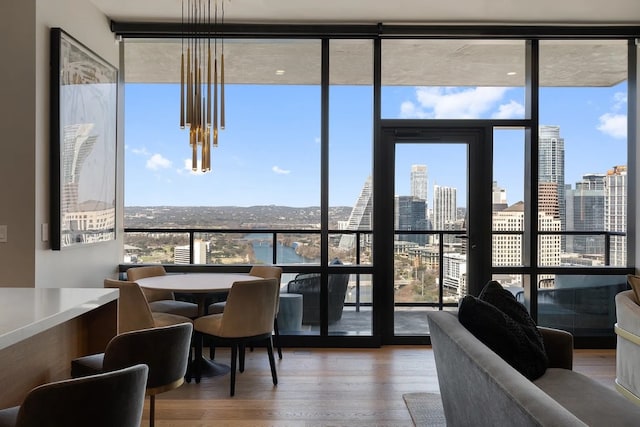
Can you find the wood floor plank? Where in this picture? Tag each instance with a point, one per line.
(324, 387)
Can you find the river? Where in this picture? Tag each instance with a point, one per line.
(286, 254)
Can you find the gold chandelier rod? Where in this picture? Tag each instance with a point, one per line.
(196, 69)
(222, 75)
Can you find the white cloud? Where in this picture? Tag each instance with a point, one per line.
(614, 125)
(409, 110)
(455, 103)
(619, 101)
(512, 110)
(280, 171)
(157, 161)
(140, 151)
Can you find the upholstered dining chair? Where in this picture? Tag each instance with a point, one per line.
(266, 272)
(108, 399)
(133, 309)
(247, 319)
(161, 301)
(165, 350)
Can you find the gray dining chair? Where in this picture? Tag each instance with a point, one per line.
(134, 312)
(161, 301)
(266, 272)
(108, 399)
(165, 350)
(247, 319)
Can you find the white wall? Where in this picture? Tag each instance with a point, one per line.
(17, 136)
(633, 226)
(24, 145)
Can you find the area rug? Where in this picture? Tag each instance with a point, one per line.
(425, 409)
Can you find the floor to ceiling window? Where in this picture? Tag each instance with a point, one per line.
(291, 179)
(265, 172)
(350, 168)
(582, 181)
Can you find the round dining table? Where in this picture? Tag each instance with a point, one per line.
(201, 286)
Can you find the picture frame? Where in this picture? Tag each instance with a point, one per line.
(83, 133)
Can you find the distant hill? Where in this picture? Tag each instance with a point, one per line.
(231, 216)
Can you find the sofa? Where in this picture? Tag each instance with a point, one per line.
(628, 345)
(479, 388)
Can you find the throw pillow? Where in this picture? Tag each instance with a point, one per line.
(495, 294)
(511, 334)
(505, 301)
(634, 282)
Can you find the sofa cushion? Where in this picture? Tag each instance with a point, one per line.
(594, 404)
(505, 336)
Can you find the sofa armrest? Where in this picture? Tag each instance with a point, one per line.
(559, 347)
(628, 312)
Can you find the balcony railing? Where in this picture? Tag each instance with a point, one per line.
(357, 257)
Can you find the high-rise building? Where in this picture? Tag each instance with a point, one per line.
(499, 197)
(507, 248)
(419, 182)
(201, 253)
(361, 217)
(585, 212)
(454, 270)
(615, 212)
(410, 214)
(551, 163)
(444, 208)
(548, 199)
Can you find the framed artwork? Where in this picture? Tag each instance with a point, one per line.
(84, 89)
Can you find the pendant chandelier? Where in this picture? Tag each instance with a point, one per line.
(199, 108)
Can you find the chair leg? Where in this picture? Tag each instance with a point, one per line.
(272, 361)
(234, 356)
(189, 374)
(197, 356)
(277, 337)
(152, 410)
(241, 354)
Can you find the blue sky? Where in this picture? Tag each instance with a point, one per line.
(270, 151)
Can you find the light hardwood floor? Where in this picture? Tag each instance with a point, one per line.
(324, 387)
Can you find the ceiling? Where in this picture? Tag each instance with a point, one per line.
(610, 12)
(405, 62)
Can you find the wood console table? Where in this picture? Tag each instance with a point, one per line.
(42, 329)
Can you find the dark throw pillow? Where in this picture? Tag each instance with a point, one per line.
(495, 294)
(504, 325)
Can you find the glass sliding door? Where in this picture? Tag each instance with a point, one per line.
(437, 198)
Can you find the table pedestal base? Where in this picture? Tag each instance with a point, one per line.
(208, 368)
(211, 368)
